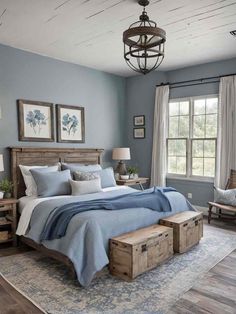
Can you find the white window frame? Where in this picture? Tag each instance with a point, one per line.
(189, 141)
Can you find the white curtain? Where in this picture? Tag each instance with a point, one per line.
(158, 172)
(226, 144)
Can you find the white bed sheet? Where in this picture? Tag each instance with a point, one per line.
(28, 203)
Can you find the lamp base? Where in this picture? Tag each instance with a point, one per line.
(121, 168)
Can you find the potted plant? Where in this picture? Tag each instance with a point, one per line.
(6, 186)
(133, 172)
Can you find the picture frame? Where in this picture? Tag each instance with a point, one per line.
(70, 124)
(139, 133)
(35, 121)
(139, 120)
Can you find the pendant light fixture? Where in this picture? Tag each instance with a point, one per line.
(144, 43)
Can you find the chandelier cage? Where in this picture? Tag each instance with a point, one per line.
(144, 43)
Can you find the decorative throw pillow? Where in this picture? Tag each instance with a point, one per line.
(107, 177)
(227, 197)
(52, 183)
(31, 189)
(80, 167)
(85, 176)
(85, 187)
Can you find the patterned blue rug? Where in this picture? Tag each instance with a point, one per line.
(47, 283)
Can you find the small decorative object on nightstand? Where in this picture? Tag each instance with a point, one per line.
(121, 153)
(6, 186)
(138, 181)
(133, 172)
(8, 221)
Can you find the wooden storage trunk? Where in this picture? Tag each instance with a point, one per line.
(188, 229)
(133, 253)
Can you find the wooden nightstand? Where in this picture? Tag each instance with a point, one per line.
(138, 181)
(8, 221)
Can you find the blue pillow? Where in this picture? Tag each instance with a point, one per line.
(80, 167)
(52, 183)
(107, 177)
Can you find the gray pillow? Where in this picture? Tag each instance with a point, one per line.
(52, 183)
(85, 187)
(227, 197)
(85, 176)
(80, 167)
(107, 177)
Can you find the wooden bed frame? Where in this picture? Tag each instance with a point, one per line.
(31, 156)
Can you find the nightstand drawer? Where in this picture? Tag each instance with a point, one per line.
(5, 207)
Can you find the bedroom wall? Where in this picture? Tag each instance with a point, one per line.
(29, 76)
(140, 100)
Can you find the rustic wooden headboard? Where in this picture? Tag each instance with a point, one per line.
(31, 156)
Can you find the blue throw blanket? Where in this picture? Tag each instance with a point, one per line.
(57, 222)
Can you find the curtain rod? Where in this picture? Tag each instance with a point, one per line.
(193, 82)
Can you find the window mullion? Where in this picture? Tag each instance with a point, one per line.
(189, 146)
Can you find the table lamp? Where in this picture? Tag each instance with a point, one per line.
(121, 153)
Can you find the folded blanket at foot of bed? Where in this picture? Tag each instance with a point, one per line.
(57, 222)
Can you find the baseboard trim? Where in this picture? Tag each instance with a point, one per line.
(202, 209)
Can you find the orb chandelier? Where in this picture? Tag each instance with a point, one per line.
(144, 43)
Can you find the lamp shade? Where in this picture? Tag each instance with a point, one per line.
(1, 163)
(122, 153)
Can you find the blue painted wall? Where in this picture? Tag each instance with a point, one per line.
(110, 103)
(30, 76)
(140, 100)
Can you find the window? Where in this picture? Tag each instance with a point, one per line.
(192, 137)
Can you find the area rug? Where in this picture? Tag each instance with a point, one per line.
(48, 284)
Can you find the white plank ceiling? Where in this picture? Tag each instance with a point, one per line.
(89, 32)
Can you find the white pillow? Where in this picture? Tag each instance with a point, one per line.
(226, 197)
(85, 187)
(31, 187)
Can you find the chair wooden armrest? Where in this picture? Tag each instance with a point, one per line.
(228, 208)
(223, 206)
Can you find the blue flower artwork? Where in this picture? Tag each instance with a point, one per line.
(36, 120)
(70, 124)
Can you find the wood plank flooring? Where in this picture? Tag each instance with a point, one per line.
(11, 301)
(216, 294)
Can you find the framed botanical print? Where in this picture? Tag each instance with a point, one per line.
(70, 124)
(35, 121)
(139, 133)
(139, 120)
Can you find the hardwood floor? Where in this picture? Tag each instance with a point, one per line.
(216, 294)
(11, 301)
